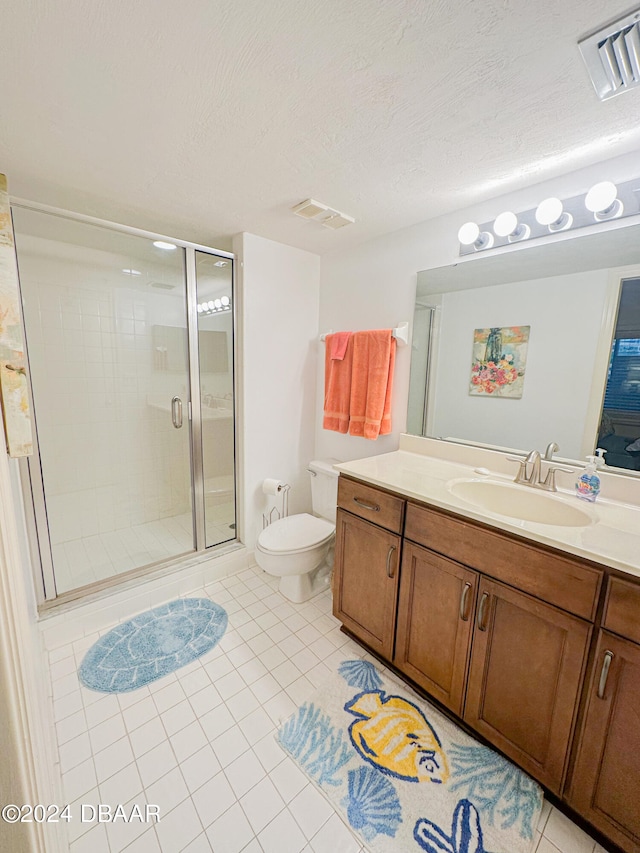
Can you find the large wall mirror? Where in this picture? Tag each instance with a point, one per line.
(534, 345)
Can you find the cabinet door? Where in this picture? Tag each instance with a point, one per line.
(366, 581)
(606, 776)
(525, 676)
(435, 616)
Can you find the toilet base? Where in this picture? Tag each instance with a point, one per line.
(299, 588)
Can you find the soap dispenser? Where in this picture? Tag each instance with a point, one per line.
(588, 483)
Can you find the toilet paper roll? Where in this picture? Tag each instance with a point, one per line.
(272, 487)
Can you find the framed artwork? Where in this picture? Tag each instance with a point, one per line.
(13, 374)
(499, 360)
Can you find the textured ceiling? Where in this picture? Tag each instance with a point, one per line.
(208, 117)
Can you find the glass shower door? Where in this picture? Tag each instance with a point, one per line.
(214, 289)
(106, 328)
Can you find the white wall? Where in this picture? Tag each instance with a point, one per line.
(374, 285)
(557, 382)
(279, 289)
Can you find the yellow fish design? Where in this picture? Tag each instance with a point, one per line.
(393, 735)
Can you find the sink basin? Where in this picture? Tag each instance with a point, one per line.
(520, 502)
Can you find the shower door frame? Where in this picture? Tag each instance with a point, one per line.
(32, 482)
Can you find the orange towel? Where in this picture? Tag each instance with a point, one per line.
(337, 386)
(373, 355)
(338, 344)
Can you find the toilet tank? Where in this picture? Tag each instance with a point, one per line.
(324, 488)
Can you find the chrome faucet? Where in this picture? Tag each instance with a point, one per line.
(533, 477)
(552, 448)
(524, 477)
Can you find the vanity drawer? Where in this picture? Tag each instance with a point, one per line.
(553, 578)
(622, 609)
(376, 506)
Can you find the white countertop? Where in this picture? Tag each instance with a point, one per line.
(612, 539)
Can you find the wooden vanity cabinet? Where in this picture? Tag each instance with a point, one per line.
(525, 676)
(499, 630)
(605, 785)
(365, 594)
(435, 619)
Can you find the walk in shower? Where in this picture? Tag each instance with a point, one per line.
(130, 341)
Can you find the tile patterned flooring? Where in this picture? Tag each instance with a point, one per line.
(200, 742)
(93, 558)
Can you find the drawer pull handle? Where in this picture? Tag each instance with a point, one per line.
(482, 625)
(390, 568)
(604, 674)
(464, 615)
(372, 507)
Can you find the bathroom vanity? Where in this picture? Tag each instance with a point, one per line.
(518, 628)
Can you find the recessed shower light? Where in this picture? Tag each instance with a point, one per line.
(221, 263)
(161, 244)
(131, 272)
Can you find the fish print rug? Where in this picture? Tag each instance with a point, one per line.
(404, 777)
(153, 644)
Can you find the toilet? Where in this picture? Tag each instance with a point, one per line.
(299, 549)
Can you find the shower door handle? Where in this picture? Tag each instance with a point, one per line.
(176, 412)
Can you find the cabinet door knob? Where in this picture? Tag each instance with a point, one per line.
(464, 598)
(604, 673)
(372, 507)
(482, 625)
(390, 568)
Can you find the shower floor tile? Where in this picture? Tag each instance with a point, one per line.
(200, 742)
(94, 558)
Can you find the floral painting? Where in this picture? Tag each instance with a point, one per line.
(499, 358)
(13, 373)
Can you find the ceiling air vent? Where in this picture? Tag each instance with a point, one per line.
(322, 213)
(612, 56)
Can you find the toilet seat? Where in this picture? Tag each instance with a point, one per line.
(295, 533)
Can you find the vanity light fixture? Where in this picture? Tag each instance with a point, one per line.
(131, 272)
(162, 244)
(551, 213)
(602, 200)
(506, 225)
(214, 306)
(470, 235)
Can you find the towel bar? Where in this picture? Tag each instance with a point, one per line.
(400, 333)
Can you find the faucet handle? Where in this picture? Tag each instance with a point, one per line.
(550, 480)
(521, 476)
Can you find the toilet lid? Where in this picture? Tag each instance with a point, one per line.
(295, 533)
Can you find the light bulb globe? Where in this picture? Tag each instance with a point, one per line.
(468, 233)
(505, 224)
(601, 196)
(549, 211)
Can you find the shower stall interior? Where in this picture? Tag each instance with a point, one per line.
(130, 341)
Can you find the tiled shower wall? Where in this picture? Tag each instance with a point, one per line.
(111, 457)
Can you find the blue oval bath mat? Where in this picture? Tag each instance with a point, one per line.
(153, 644)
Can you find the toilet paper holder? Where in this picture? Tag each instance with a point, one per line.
(271, 487)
